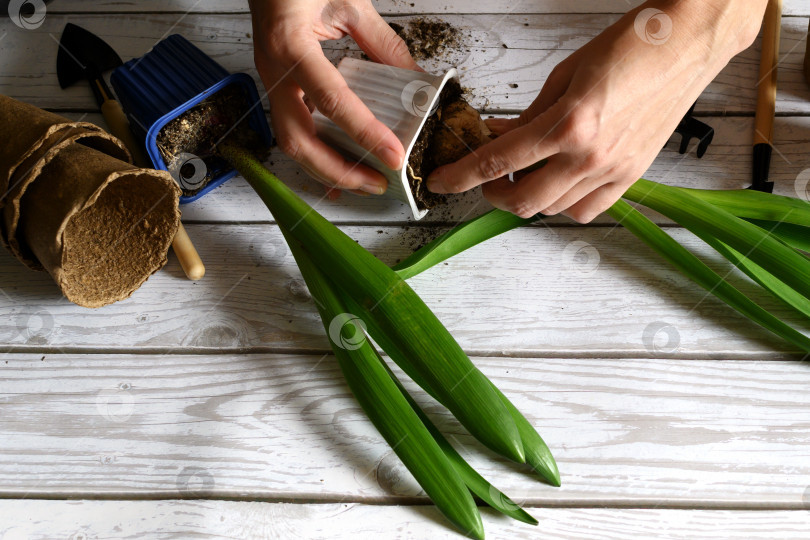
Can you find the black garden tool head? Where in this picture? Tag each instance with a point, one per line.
(83, 55)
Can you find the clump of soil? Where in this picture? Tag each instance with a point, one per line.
(428, 38)
(453, 131)
(200, 128)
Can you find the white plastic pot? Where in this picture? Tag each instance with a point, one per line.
(401, 99)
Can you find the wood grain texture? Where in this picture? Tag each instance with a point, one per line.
(126, 520)
(536, 290)
(670, 415)
(536, 43)
(792, 7)
(625, 432)
(726, 165)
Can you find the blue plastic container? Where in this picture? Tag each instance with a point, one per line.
(167, 81)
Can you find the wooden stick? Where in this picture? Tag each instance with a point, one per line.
(766, 97)
(766, 85)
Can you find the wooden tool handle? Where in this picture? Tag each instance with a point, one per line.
(766, 85)
(187, 255)
(183, 248)
(118, 124)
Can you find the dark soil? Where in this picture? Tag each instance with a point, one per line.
(418, 164)
(200, 128)
(421, 161)
(428, 38)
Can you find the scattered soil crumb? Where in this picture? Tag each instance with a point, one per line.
(416, 238)
(428, 38)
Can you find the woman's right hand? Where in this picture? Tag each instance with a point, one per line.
(298, 76)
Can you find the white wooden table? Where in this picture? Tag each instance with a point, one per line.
(213, 409)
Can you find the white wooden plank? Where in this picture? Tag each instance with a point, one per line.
(31, 520)
(537, 290)
(726, 165)
(791, 7)
(536, 44)
(628, 432)
(382, 6)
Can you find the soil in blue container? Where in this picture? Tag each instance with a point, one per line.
(222, 117)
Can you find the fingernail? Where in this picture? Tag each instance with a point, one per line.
(374, 189)
(391, 157)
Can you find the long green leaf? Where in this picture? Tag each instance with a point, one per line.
(391, 413)
(748, 203)
(458, 239)
(766, 280)
(742, 203)
(471, 478)
(703, 218)
(696, 270)
(432, 355)
(795, 236)
(477, 483)
(538, 455)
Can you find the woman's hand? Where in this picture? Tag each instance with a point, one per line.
(606, 111)
(297, 76)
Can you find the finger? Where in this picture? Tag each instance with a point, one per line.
(327, 89)
(534, 192)
(309, 104)
(380, 42)
(510, 152)
(553, 89)
(578, 192)
(315, 175)
(596, 202)
(296, 136)
(499, 126)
